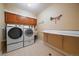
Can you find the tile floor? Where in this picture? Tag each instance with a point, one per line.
(37, 49)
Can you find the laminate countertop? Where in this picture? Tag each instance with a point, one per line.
(61, 32)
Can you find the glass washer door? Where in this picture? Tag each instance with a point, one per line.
(15, 33)
(29, 32)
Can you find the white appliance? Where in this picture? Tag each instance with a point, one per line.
(14, 34)
(28, 35)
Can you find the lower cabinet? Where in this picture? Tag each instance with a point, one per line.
(45, 37)
(67, 44)
(71, 45)
(55, 40)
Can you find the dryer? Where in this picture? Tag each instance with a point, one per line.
(28, 35)
(14, 34)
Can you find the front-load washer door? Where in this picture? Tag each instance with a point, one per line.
(14, 35)
(28, 34)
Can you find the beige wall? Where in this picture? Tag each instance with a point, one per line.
(69, 20)
(1, 22)
(12, 8)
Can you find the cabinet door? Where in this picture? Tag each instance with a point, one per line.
(45, 37)
(55, 40)
(20, 19)
(10, 17)
(30, 21)
(71, 45)
(25, 20)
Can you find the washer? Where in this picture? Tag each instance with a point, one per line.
(14, 35)
(28, 35)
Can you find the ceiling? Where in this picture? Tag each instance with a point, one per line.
(34, 8)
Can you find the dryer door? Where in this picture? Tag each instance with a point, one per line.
(15, 33)
(29, 32)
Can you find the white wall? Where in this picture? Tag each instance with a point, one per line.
(69, 20)
(1, 22)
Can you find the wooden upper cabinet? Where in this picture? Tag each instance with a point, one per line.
(26, 20)
(31, 21)
(18, 19)
(10, 18)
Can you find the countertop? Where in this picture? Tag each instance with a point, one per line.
(61, 32)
